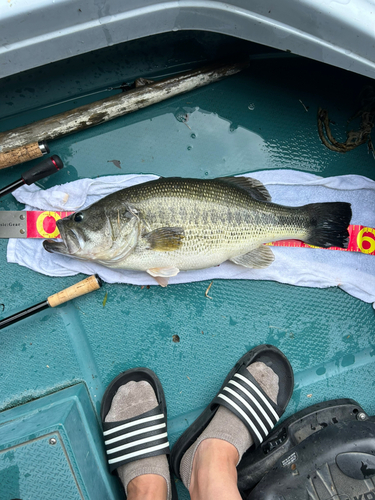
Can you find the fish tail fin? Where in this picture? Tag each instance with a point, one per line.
(329, 224)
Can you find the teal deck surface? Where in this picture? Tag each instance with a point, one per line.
(252, 121)
(52, 448)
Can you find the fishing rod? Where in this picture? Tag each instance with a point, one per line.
(81, 288)
(14, 144)
(43, 169)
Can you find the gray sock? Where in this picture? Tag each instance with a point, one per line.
(132, 399)
(225, 425)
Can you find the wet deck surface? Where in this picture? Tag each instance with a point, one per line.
(263, 118)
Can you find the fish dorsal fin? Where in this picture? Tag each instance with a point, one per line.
(259, 258)
(252, 186)
(165, 239)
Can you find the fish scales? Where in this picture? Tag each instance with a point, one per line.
(219, 221)
(168, 225)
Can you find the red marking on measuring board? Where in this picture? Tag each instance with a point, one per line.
(43, 224)
(361, 239)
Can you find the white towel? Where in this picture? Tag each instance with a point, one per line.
(353, 272)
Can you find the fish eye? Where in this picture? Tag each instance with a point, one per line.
(78, 217)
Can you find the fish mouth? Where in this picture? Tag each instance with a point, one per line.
(69, 245)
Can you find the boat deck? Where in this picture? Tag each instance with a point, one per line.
(262, 118)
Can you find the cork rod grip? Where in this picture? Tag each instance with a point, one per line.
(88, 285)
(20, 155)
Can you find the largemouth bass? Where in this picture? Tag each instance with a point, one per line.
(173, 224)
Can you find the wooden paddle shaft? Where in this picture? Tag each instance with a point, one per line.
(88, 285)
(112, 107)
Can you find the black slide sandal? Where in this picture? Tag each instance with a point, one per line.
(153, 442)
(239, 392)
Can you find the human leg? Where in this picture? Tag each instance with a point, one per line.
(147, 487)
(214, 473)
(206, 455)
(135, 434)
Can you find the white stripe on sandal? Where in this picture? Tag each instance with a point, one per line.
(254, 400)
(136, 443)
(260, 394)
(134, 433)
(251, 410)
(132, 424)
(137, 453)
(239, 410)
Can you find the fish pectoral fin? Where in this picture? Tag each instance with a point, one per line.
(253, 187)
(259, 258)
(165, 272)
(165, 239)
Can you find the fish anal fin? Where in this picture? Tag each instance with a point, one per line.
(259, 258)
(253, 187)
(165, 239)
